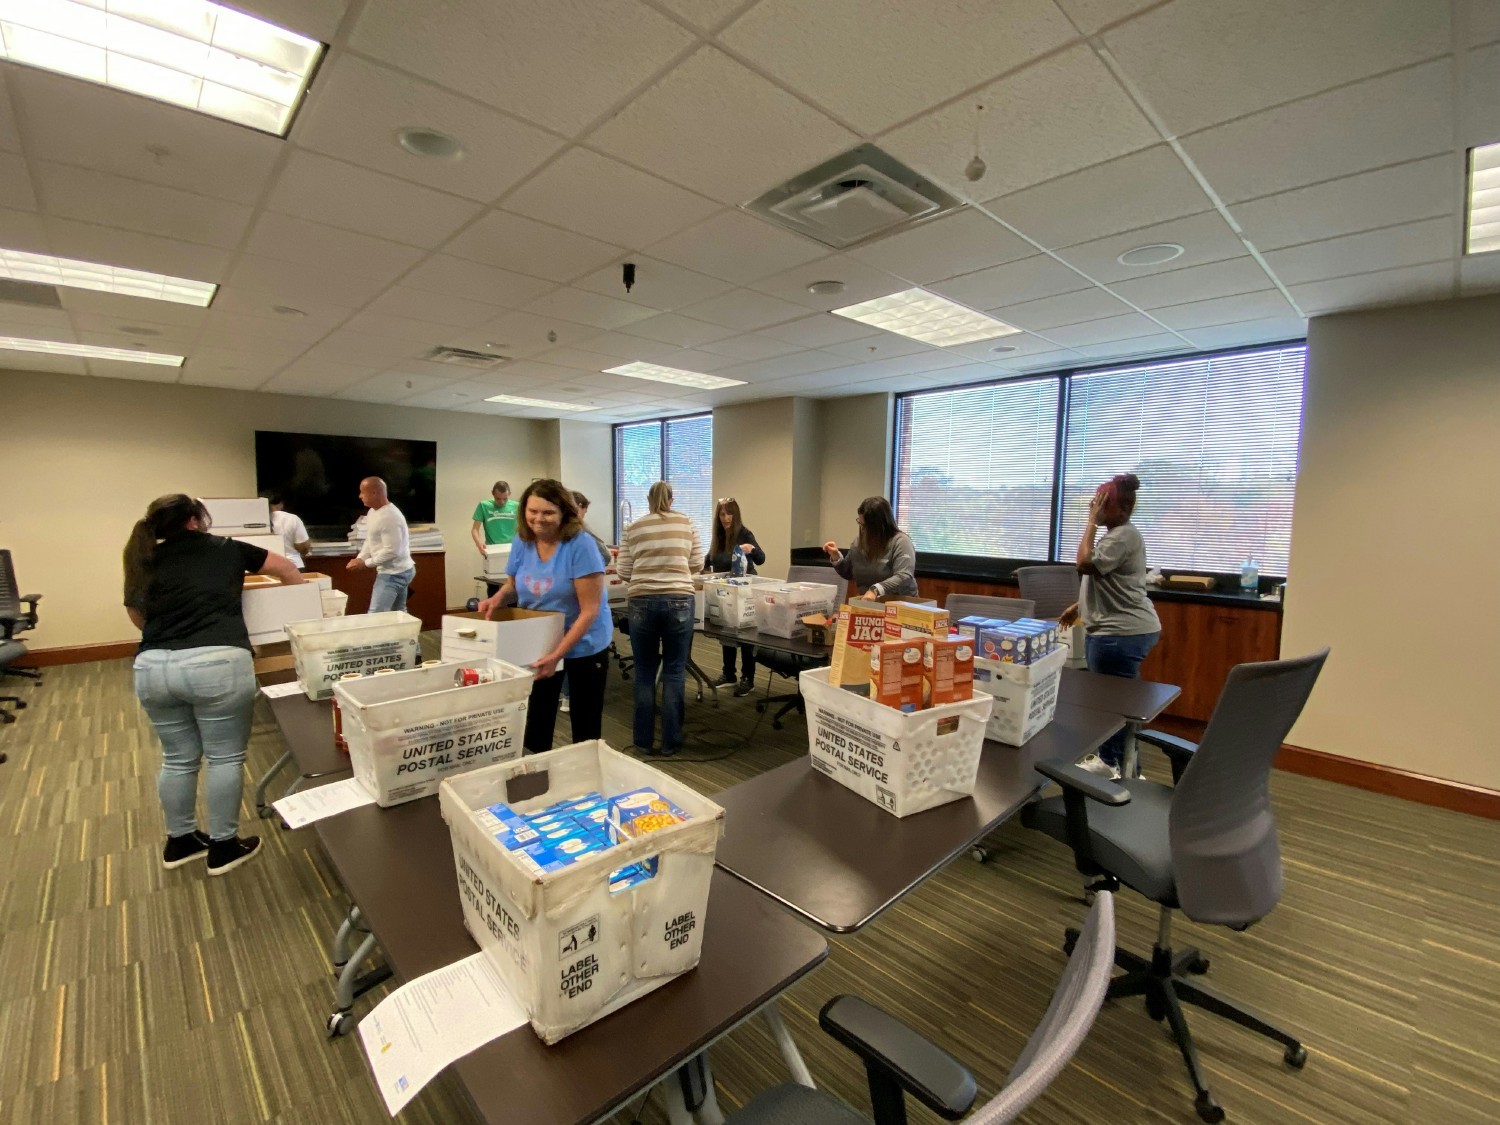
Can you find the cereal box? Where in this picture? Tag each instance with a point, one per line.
(896, 674)
(912, 619)
(861, 625)
(948, 665)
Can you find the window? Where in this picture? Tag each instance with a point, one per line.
(975, 468)
(677, 450)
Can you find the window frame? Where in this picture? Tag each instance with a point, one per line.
(614, 457)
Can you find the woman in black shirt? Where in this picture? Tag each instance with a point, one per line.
(193, 671)
(732, 537)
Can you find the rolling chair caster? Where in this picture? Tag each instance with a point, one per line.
(1295, 1057)
(979, 854)
(1208, 1109)
(265, 812)
(340, 1024)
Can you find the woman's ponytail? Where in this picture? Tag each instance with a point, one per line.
(166, 516)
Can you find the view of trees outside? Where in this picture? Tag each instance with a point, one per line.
(679, 451)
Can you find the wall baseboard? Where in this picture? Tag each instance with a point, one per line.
(1456, 796)
(77, 654)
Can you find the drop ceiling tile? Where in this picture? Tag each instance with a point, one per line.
(1017, 345)
(561, 64)
(658, 285)
(90, 126)
(422, 334)
(450, 397)
(1044, 363)
(716, 126)
(131, 310)
(1480, 113)
(1112, 328)
(15, 183)
(823, 330)
(1204, 238)
(31, 323)
(161, 337)
(581, 359)
(1026, 280)
(88, 242)
(882, 345)
(209, 367)
(301, 285)
(1138, 190)
(1202, 64)
(97, 197)
(875, 63)
(703, 14)
(861, 283)
(526, 334)
(583, 307)
(1388, 287)
(22, 230)
(605, 199)
(1389, 120)
(931, 360)
(1247, 332)
(1061, 114)
(359, 108)
(1411, 244)
(1134, 349)
(435, 308)
(523, 246)
(752, 345)
(361, 349)
(693, 359)
(1225, 310)
(471, 281)
(1422, 189)
(735, 247)
(744, 309)
(1091, 15)
(223, 328)
(1195, 283)
(391, 386)
(783, 367)
(49, 364)
(10, 136)
(678, 330)
(297, 240)
(1068, 308)
(619, 348)
(136, 372)
(955, 244)
(254, 301)
(316, 19)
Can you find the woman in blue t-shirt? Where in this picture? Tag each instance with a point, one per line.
(554, 565)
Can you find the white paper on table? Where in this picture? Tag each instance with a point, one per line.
(307, 805)
(276, 691)
(437, 1019)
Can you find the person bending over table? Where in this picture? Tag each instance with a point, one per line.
(194, 674)
(495, 523)
(882, 560)
(659, 554)
(554, 565)
(731, 537)
(1121, 621)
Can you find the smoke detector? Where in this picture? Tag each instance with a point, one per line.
(465, 357)
(855, 198)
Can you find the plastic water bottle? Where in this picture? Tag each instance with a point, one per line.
(1249, 576)
(737, 563)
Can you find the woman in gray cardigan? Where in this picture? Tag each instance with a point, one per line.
(882, 561)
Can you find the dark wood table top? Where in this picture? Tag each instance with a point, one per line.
(796, 646)
(835, 858)
(307, 728)
(1139, 701)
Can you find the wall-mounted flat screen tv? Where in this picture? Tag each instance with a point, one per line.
(318, 476)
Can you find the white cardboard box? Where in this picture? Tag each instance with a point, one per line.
(269, 609)
(271, 543)
(361, 642)
(1025, 695)
(516, 636)
(238, 516)
(496, 556)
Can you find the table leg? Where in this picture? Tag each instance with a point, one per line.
(703, 681)
(346, 930)
(262, 807)
(677, 1110)
(1130, 755)
(787, 1046)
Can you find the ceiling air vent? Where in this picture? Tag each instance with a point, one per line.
(464, 357)
(29, 293)
(860, 196)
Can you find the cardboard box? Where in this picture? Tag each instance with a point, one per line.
(238, 516)
(914, 619)
(270, 609)
(516, 636)
(496, 557)
(861, 626)
(948, 666)
(896, 674)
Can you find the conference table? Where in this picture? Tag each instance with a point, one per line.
(1136, 701)
(397, 866)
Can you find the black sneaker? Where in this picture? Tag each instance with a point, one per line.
(184, 849)
(226, 855)
(726, 680)
(743, 688)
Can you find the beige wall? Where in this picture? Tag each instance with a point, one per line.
(82, 457)
(807, 458)
(854, 438)
(1395, 537)
(585, 454)
(755, 461)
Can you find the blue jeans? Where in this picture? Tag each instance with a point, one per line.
(200, 701)
(1117, 656)
(390, 591)
(661, 636)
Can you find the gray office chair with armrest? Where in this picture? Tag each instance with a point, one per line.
(789, 665)
(14, 619)
(1205, 845)
(979, 605)
(899, 1061)
(10, 652)
(1052, 588)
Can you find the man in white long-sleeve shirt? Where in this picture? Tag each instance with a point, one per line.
(387, 549)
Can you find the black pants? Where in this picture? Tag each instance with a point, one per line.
(747, 661)
(586, 679)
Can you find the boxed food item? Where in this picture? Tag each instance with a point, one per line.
(970, 626)
(1024, 695)
(781, 606)
(896, 674)
(861, 625)
(329, 648)
(641, 811)
(1013, 642)
(914, 619)
(516, 636)
(579, 941)
(902, 761)
(948, 665)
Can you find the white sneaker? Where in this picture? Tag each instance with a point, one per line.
(1095, 764)
(563, 705)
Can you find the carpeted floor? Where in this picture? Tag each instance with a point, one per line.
(137, 995)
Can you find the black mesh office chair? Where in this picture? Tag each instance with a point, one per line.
(1052, 588)
(898, 1061)
(1205, 845)
(13, 621)
(789, 665)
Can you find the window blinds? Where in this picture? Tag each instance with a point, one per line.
(677, 450)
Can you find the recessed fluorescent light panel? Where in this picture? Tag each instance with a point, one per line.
(47, 270)
(88, 351)
(674, 375)
(184, 52)
(538, 403)
(1484, 200)
(927, 317)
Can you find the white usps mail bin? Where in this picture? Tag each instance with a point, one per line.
(568, 949)
(408, 731)
(780, 608)
(331, 647)
(269, 609)
(516, 636)
(730, 602)
(903, 761)
(335, 603)
(1025, 695)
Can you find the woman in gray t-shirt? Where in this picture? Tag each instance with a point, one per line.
(882, 561)
(1121, 621)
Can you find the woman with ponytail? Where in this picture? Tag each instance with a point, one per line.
(1121, 621)
(193, 672)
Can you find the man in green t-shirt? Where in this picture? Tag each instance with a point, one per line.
(495, 520)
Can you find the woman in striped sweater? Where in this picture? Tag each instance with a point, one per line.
(659, 554)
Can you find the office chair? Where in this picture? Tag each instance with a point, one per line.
(1052, 588)
(979, 605)
(899, 1061)
(790, 665)
(14, 620)
(10, 651)
(1205, 845)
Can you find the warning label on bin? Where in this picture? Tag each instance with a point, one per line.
(850, 747)
(578, 937)
(364, 659)
(491, 912)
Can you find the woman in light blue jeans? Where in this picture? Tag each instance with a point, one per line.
(193, 673)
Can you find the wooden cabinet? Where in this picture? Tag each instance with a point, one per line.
(427, 598)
